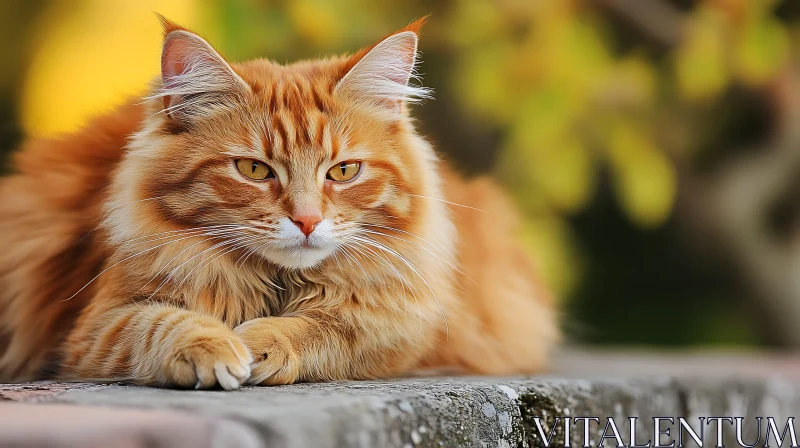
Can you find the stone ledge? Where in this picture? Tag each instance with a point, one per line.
(418, 412)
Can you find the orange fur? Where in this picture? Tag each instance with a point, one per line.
(134, 249)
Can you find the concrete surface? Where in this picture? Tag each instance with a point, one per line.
(413, 412)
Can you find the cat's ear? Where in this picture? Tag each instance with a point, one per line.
(196, 81)
(381, 74)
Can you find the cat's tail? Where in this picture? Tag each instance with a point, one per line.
(50, 242)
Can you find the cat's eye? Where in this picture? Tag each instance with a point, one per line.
(344, 171)
(253, 169)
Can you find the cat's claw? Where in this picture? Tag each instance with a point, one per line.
(227, 379)
(207, 361)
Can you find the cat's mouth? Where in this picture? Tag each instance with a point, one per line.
(311, 242)
(294, 250)
(302, 256)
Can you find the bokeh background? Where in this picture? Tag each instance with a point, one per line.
(653, 145)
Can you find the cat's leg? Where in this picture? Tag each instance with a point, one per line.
(320, 346)
(156, 344)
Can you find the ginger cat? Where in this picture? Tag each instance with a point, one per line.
(263, 224)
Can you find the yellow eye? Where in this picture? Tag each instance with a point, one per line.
(344, 171)
(253, 169)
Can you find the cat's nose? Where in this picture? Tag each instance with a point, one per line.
(307, 222)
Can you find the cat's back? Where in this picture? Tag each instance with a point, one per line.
(506, 321)
(49, 214)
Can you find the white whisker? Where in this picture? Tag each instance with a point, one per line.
(122, 261)
(448, 202)
(394, 229)
(206, 262)
(426, 250)
(404, 283)
(414, 269)
(167, 233)
(170, 275)
(356, 262)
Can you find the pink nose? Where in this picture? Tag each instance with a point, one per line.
(307, 222)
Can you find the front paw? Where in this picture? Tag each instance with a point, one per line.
(208, 355)
(275, 360)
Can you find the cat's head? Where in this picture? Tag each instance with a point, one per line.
(289, 162)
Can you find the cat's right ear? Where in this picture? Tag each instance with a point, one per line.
(380, 75)
(196, 82)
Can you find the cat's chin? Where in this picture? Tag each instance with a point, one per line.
(299, 258)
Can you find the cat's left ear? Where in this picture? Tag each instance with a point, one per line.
(196, 81)
(380, 75)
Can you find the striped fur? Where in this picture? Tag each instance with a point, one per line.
(136, 250)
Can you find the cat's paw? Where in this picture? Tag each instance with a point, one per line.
(204, 357)
(275, 361)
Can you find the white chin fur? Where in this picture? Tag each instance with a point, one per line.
(293, 251)
(300, 258)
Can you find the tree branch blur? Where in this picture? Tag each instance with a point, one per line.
(730, 208)
(658, 20)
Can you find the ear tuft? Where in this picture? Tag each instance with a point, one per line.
(169, 26)
(382, 75)
(415, 26)
(196, 81)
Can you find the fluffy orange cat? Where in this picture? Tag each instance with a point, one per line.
(264, 224)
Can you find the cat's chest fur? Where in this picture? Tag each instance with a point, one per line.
(263, 290)
(288, 293)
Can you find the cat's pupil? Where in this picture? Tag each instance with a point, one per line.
(343, 167)
(255, 165)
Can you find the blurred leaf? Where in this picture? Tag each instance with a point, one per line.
(317, 22)
(761, 49)
(543, 155)
(547, 240)
(701, 60)
(644, 179)
(563, 173)
(630, 83)
(246, 31)
(566, 174)
(473, 22)
(544, 115)
(480, 82)
(570, 50)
